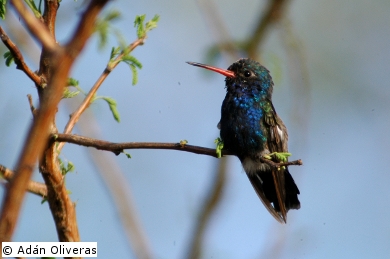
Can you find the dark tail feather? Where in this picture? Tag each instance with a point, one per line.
(292, 192)
(264, 185)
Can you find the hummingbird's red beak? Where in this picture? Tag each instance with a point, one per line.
(224, 72)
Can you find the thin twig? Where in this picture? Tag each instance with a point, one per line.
(277, 165)
(271, 15)
(35, 26)
(30, 48)
(87, 100)
(118, 148)
(37, 188)
(50, 15)
(32, 108)
(18, 58)
(219, 28)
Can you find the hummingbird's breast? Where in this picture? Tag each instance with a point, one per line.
(241, 126)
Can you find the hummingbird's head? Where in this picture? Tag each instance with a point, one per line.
(244, 76)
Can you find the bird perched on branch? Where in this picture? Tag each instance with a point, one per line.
(250, 128)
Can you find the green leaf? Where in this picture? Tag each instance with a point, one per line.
(132, 60)
(219, 147)
(134, 71)
(40, 5)
(103, 26)
(44, 199)
(66, 169)
(70, 167)
(114, 53)
(34, 8)
(127, 154)
(133, 64)
(69, 94)
(139, 24)
(280, 156)
(128, 59)
(150, 25)
(2, 8)
(142, 28)
(72, 82)
(102, 30)
(112, 15)
(9, 58)
(113, 107)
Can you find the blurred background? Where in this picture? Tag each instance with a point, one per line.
(330, 64)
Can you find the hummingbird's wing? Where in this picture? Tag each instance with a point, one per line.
(277, 142)
(289, 189)
(276, 186)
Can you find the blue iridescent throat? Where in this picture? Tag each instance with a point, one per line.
(247, 122)
(246, 103)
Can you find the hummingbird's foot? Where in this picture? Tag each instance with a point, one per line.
(219, 147)
(281, 157)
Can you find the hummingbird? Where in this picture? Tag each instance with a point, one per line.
(250, 128)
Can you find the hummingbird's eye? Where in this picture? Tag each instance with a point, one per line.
(247, 73)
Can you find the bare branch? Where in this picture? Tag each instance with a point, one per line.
(277, 165)
(87, 100)
(219, 29)
(50, 15)
(61, 206)
(32, 108)
(271, 15)
(85, 28)
(33, 187)
(35, 26)
(118, 148)
(18, 57)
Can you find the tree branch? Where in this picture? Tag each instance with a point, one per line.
(277, 165)
(50, 15)
(32, 108)
(37, 188)
(219, 29)
(118, 148)
(35, 26)
(271, 15)
(87, 100)
(61, 206)
(18, 57)
(37, 138)
(63, 209)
